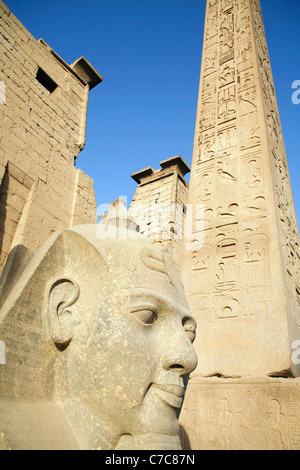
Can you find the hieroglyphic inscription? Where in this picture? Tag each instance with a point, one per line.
(252, 174)
(201, 270)
(233, 188)
(284, 198)
(241, 416)
(255, 261)
(239, 168)
(205, 183)
(226, 269)
(235, 284)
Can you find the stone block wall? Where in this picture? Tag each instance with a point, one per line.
(159, 202)
(43, 108)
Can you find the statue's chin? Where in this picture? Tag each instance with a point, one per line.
(149, 441)
(156, 425)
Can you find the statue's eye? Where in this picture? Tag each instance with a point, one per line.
(189, 326)
(145, 315)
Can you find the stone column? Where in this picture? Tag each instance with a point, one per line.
(243, 283)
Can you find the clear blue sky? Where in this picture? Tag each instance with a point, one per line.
(149, 53)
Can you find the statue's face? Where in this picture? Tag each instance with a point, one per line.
(131, 343)
(133, 355)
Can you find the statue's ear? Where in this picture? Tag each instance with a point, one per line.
(63, 293)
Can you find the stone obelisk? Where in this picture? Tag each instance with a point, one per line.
(243, 282)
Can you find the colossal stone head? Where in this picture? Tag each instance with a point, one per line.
(98, 338)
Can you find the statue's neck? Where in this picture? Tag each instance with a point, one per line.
(91, 431)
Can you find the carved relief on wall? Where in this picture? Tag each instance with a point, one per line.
(211, 35)
(208, 217)
(227, 231)
(226, 138)
(249, 132)
(242, 8)
(226, 26)
(206, 309)
(218, 306)
(291, 260)
(252, 174)
(226, 74)
(207, 146)
(257, 302)
(201, 270)
(274, 128)
(285, 207)
(227, 166)
(272, 116)
(209, 89)
(205, 187)
(244, 31)
(226, 6)
(255, 260)
(243, 52)
(226, 35)
(282, 205)
(207, 120)
(231, 186)
(243, 17)
(226, 265)
(227, 212)
(227, 176)
(269, 95)
(226, 306)
(247, 100)
(280, 163)
(233, 303)
(227, 111)
(224, 420)
(226, 50)
(210, 61)
(226, 94)
(240, 415)
(254, 207)
(286, 212)
(212, 5)
(245, 79)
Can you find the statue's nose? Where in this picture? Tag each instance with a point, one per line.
(179, 353)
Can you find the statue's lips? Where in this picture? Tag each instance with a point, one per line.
(170, 394)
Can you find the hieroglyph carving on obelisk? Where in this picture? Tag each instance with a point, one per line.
(242, 284)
